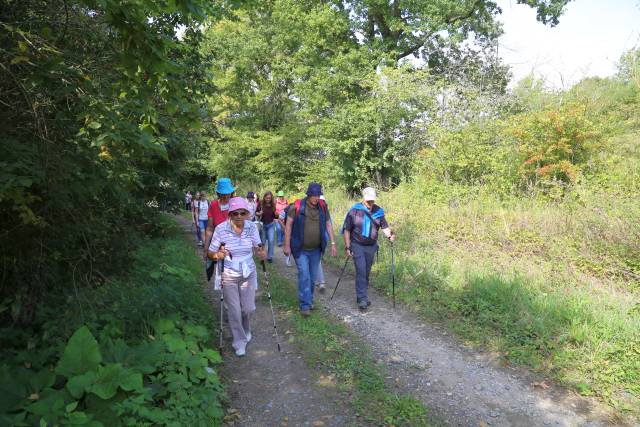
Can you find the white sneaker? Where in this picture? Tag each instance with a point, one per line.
(241, 351)
(249, 336)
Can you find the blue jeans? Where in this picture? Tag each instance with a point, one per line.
(363, 259)
(269, 231)
(202, 226)
(279, 233)
(307, 263)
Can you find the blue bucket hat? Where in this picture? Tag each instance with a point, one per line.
(224, 186)
(314, 189)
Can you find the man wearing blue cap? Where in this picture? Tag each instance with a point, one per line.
(218, 209)
(307, 233)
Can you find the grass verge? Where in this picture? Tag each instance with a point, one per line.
(551, 286)
(329, 345)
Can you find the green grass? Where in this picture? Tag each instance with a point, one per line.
(552, 285)
(345, 359)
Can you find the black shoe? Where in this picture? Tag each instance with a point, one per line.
(363, 305)
(270, 261)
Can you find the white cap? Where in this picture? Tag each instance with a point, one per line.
(322, 197)
(368, 194)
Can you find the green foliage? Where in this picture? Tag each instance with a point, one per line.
(92, 134)
(320, 91)
(157, 381)
(554, 145)
(133, 351)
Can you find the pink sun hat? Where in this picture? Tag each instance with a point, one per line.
(237, 203)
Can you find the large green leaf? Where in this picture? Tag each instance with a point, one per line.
(112, 376)
(80, 384)
(81, 355)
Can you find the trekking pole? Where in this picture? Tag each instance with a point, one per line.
(393, 276)
(339, 278)
(273, 314)
(221, 294)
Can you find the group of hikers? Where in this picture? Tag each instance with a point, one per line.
(238, 228)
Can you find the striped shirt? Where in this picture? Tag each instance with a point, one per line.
(238, 245)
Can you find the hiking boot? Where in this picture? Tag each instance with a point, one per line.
(305, 312)
(322, 287)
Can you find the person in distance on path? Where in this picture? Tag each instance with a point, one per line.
(242, 241)
(199, 209)
(306, 236)
(360, 231)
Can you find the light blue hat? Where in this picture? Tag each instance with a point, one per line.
(224, 186)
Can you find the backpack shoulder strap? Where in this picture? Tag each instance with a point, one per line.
(297, 205)
(323, 206)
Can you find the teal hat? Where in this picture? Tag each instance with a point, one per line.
(224, 186)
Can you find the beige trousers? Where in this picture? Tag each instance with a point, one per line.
(240, 303)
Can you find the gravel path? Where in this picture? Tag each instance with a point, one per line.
(462, 386)
(268, 388)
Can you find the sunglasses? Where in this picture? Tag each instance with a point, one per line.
(238, 213)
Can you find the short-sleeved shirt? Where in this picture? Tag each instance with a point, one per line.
(252, 209)
(268, 213)
(354, 220)
(217, 215)
(201, 207)
(239, 245)
(312, 238)
(281, 205)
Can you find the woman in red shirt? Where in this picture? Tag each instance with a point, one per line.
(218, 209)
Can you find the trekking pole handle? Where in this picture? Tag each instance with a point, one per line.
(222, 263)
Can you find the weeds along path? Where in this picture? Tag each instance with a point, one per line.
(267, 388)
(461, 386)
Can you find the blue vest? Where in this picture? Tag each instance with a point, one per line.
(297, 230)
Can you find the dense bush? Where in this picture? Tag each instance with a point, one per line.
(98, 105)
(134, 351)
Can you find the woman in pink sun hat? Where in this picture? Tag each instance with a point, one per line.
(241, 242)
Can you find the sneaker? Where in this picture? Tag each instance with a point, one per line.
(241, 351)
(322, 287)
(363, 305)
(249, 336)
(305, 313)
(270, 261)
(200, 243)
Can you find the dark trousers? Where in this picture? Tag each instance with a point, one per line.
(363, 256)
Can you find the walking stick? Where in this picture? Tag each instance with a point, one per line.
(393, 276)
(221, 294)
(273, 315)
(339, 278)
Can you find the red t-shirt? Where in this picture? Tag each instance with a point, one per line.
(216, 215)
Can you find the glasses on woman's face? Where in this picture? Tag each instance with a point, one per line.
(238, 213)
